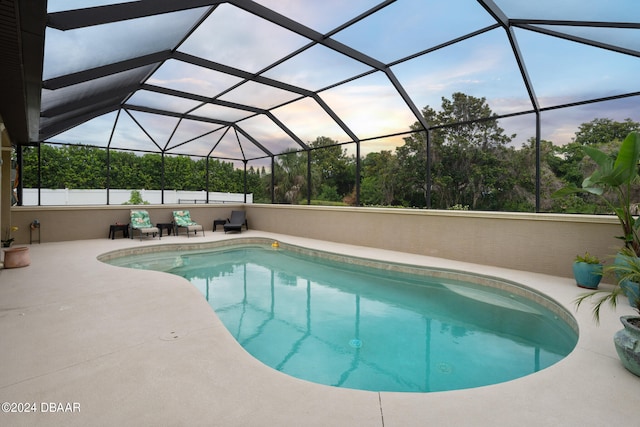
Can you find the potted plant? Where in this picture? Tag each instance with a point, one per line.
(627, 340)
(613, 181)
(587, 270)
(8, 240)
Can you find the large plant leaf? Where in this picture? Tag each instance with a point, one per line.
(572, 189)
(566, 191)
(602, 175)
(602, 159)
(611, 173)
(626, 164)
(625, 168)
(615, 173)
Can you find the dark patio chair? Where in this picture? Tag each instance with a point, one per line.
(237, 220)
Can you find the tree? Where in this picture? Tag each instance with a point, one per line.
(67, 166)
(475, 158)
(181, 173)
(471, 166)
(411, 185)
(290, 177)
(378, 182)
(469, 159)
(124, 170)
(523, 161)
(332, 173)
(86, 167)
(615, 182)
(601, 131)
(570, 164)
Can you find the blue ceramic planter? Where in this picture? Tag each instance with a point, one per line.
(630, 289)
(587, 275)
(627, 342)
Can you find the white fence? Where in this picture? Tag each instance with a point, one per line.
(51, 197)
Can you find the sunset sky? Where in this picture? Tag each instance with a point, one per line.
(562, 71)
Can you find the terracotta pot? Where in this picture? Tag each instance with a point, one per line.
(16, 257)
(627, 343)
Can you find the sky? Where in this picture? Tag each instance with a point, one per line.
(562, 72)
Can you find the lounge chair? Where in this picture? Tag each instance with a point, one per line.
(182, 219)
(237, 220)
(140, 221)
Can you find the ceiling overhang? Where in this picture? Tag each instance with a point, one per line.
(21, 50)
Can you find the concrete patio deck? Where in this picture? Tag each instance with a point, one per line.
(125, 347)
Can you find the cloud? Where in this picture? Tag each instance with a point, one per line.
(484, 66)
(370, 106)
(224, 38)
(321, 16)
(308, 120)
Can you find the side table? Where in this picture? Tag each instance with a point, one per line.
(118, 227)
(165, 226)
(218, 222)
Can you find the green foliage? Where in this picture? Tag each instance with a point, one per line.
(67, 166)
(470, 161)
(472, 164)
(627, 271)
(86, 167)
(332, 174)
(327, 203)
(587, 258)
(329, 193)
(602, 131)
(330, 168)
(290, 178)
(459, 208)
(379, 182)
(571, 164)
(136, 199)
(615, 177)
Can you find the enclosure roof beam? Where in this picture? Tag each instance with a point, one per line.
(105, 70)
(195, 60)
(203, 99)
(175, 114)
(98, 15)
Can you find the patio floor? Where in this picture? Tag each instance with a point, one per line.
(117, 346)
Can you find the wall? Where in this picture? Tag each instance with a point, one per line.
(545, 243)
(62, 223)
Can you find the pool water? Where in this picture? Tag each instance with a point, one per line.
(365, 328)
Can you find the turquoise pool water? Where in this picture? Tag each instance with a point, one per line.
(366, 328)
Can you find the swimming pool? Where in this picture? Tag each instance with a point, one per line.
(362, 324)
